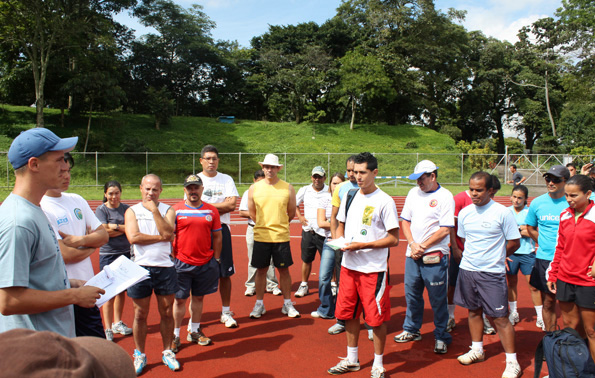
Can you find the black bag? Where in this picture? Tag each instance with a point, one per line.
(566, 353)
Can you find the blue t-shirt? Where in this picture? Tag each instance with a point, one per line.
(486, 230)
(527, 244)
(544, 213)
(30, 257)
(346, 187)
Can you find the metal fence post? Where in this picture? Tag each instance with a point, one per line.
(328, 164)
(194, 163)
(285, 163)
(96, 168)
(240, 168)
(462, 167)
(146, 162)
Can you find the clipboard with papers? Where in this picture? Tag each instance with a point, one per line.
(117, 277)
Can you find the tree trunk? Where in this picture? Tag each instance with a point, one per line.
(352, 112)
(88, 125)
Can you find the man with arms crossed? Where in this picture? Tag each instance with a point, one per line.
(543, 219)
(428, 216)
(271, 203)
(371, 226)
(35, 292)
(490, 234)
(220, 191)
(150, 229)
(197, 248)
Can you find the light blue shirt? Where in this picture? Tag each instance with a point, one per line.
(527, 244)
(345, 188)
(486, 230)
(544, 213)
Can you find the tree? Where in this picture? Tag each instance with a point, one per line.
(160, 105)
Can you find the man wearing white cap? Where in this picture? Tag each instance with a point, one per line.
(312, 235)
(271, 203)
(35, 292)
(428, 216)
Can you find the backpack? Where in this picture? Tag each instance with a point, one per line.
(566, 353)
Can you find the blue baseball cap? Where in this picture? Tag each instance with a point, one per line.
(36, 142)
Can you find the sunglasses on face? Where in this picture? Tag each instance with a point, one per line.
(555, 180)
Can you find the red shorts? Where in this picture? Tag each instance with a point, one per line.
(367, 292)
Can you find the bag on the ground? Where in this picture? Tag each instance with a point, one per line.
(567, 355)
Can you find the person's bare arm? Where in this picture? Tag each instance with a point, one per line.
(217, 237)
(340, 232)
(72, 255)
(456, 252)
(112, 232)
(334, 222)
(301, 218)
(436, 237)
(321, 219)
(245, 214)
(94, 239)
(533, 233)
(133, 234)
(226, 206)
(23, 300)
(417, 250)
(524, 232)
(512, 246)
(391, 240)
(291, 203)
(251, 205)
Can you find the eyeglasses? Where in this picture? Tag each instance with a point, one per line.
(555, 180)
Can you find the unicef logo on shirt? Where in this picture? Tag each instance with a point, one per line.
(78, 213)
(364, 232)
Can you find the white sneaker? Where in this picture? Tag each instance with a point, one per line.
(250, 291)
(302, 291)
(121, 328)
(513, 370)
(334, 289)
(451, 324)
(277, 291)
(258, 311)
(377, 372)
(336, 329)
(487, 327)
(371, 335)
(471, 357)
(289, 310)
(109, 335)
(514, 318)
(228, 320)
(540, 324)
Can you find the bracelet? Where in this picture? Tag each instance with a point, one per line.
(218, 260)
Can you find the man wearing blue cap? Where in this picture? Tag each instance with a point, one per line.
(35, 292)
(428, 216)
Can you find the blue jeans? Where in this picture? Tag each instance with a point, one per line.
(327, 300)
(433, 277)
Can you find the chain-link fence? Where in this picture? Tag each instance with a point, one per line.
(95, 168)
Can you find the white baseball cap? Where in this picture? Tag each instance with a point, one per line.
(424, 166)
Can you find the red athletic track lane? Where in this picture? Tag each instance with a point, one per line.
(277, 346)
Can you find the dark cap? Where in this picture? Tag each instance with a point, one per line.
(192, 180)
(558, 171)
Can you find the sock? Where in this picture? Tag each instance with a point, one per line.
(539, 312)
(333, 283)
(176, 332)
(287, 301)
(225, 309)
(260, 301)
(477, 346)
(378, 361)
(484, 317)
(304, 283)
(352, 355)
(167, 350)
(512, 306)
(194, 327)
(451, 311)
(510, 357)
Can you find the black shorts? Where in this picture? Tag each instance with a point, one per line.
(311, 242)
(453, 269)
(582, 296)
(227, 267)
(538, 279)
(108, 259)
(163, 281)
(87, 322)
(485, 290)
(279, 252)
(200, 280)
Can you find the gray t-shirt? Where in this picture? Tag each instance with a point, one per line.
(30, 257)
(517, 177)
(119, 244)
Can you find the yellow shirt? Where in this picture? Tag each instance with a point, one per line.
(272, 222)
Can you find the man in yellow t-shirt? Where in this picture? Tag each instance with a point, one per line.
(272, 204)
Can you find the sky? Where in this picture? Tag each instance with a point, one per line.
(241, 20)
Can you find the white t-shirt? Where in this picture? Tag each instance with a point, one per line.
(217, 189)
(486, 230)
(244, 206)
(311, 198)
(326, 204)
(156, 254)
(370, 217)
(71, 214)
(427, 212)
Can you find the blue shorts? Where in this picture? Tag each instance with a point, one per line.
(200, 280)
(108, 259)
(227, 267)
(488, 291)
(163, 281)
(524, 262)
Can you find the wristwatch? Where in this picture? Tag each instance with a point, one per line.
(117, 227)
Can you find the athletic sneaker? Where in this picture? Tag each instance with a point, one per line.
(405, 337)
(336, 329)
(302, 291)
(487, 327)
(258, 311)
(344, 366)
(540, 324)
(175, 344)
(228, 320)
(121, 328)
(451, 324)
(371, 335)
(471, 357)
(377, 372)
(318, 315)
(277, 291)
(109, 335)
(140, 361)
(250, 291)
(440, 347)
(513, 370)
(334, 289)
(514, 318)
(289, 310)
(198, 337)
(169, 359)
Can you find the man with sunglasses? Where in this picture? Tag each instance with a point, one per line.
(312, 235)
(542, 222)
